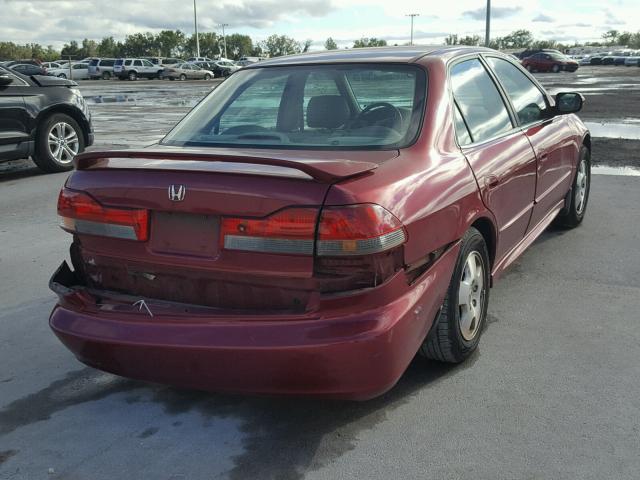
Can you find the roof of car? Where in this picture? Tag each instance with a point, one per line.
(406, 54)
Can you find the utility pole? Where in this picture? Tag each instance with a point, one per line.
(412, 15)
(224, 38)
(195, 25)
(487, 35)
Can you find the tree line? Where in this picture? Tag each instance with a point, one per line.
(175, 43)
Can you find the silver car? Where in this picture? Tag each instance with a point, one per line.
(184, 71)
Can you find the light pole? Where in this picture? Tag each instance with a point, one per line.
(224, 38)
(487, 34)
(412, 15)
(195, 25)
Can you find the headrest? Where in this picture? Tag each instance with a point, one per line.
(327, 111)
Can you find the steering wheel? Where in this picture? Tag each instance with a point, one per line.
(382, 114)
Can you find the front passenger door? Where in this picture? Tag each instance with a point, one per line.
(555, 152)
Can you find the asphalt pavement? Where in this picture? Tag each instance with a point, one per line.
(551, 393)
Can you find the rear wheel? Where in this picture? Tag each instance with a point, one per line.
(529, 69)
(132, 76)
(106, 75)
(456, 332)
(58, 141)
(579, 192)
(555, 68)
(62, 75)
(183, 77)
(207, 76)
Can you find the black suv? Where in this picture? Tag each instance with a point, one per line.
(44, 118)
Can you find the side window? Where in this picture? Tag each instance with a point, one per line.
(128, 63)
(106, 63)
(258, 105)
(137, 63)
(147, 63)
(480, 102)
(527, 99)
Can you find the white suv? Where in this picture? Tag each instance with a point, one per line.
(134, 68)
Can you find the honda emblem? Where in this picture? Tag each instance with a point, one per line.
(177, 193)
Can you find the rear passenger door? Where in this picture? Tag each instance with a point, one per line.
(555, 151)
(499, 154)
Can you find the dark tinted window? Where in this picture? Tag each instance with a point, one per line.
(137, 63)
(106, 63)
(527, 99)
(94, 62)
(120, 61)
(480, 103)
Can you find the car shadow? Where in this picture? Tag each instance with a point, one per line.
(17, 169)
(282, 437)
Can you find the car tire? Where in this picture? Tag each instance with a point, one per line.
(555, 68)
(106, 76)
(63, 76)
(529, 69)
(207, 76)
(456, 331)
(57, 127)
(171, 78)
(183, 77)
(579, 193)
(132, 76)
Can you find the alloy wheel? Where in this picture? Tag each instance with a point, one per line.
(582, 184)
(471, 296)
(63, 142)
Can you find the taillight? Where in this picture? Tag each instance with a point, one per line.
(82, 214)
(358, 230)
(288, 231)
(362, 229)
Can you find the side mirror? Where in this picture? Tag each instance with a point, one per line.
(569, 102)
(5, 80)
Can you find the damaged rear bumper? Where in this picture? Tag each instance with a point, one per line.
(353, 347)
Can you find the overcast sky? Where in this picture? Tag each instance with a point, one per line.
(54, 22)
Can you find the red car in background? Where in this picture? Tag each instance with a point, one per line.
(317, 220)
(549, 62)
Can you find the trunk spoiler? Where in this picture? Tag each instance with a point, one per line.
(324, 171)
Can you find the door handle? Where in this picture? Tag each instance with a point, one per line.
(491, 181)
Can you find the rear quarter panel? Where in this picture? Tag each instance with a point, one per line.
(429, 186)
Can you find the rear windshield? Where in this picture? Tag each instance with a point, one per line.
(120, 61)
(323, 107)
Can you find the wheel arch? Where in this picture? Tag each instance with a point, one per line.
(586, 141)
(488, 230)
(67, 110)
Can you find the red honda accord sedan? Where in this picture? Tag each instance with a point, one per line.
(316, 221)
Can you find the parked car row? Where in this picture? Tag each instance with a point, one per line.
(616, 58)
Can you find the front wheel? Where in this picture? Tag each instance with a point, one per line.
(579, 194)
(133, 76)
(456, 332)
(63, 76)
(183, 77)
(207, 76)
(106, 75)
(58, 141)
(555, 68)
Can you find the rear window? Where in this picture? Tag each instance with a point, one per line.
(94, 62)
(106, 63)
(120, 61)
(313, 107)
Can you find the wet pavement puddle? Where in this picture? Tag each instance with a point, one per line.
(629, 131)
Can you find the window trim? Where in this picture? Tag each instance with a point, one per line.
(535, 83)
(514, 121)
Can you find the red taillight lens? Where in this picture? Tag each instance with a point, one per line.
(288, 231)
(82, 214)
(350, 230)
(358, 230)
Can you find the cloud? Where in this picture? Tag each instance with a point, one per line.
(496, 12)
(611, 19)
(543, 18)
